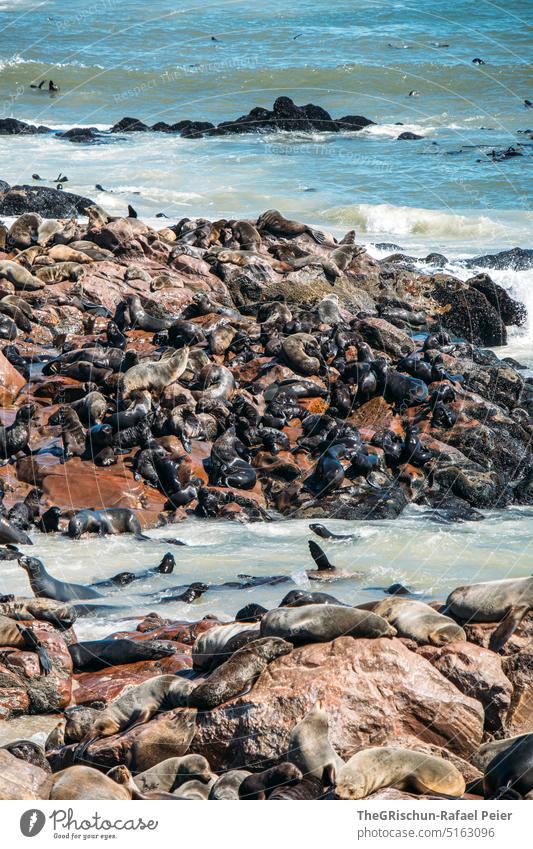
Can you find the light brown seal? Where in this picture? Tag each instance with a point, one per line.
(418, 621)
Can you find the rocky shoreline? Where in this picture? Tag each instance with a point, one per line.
(248, 371)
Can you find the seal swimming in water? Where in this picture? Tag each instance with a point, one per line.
(506, 602)
(322, 531)
(325, 570)
(371, 769)
(273, 222)
(321, 623)
(44, 585)
(236, 676)
(93, 655)
(417, 620)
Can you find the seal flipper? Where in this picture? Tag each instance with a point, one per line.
(32, 642)
(81, 749)
(508, 626)
(316, 235)
(319, 556)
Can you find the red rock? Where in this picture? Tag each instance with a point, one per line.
(476, 672)
(19, 779)
(107, 684)
(376, 692)
(11, 382)
(519, 669)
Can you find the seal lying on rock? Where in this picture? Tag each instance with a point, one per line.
(371, 769)
(321, 623)
(417, 620)
(82, 782)
(237, 675)
(98, 654)
(171, 773)
(510, 772)
(61, 616)
(273, 222)
(23, 637)
(154, 377)
(137, 706)
(505, 601)
(260, 785)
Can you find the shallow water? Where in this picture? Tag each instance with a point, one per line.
(428, 557)
(158, 62)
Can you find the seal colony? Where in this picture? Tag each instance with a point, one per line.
(251, 370)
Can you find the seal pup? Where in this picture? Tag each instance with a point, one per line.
(273, 222)
(44, 585)
(122, 775)
(261, 784)
(212, 647)
(417, 620)
(236, 676)
(171, 773)
(321, 623)
(506, 602)
(155, 377)
(371, 769)
(310, 749)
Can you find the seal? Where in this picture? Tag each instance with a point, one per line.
(250, 613)
(194, 790)
(325, 570)
(72, 432)
(137, 706)
(122, 775)
(165, 567)
(22, 637)
(321, 623)
(322, 531)
(44, 585)
(61, 616)
(273, 222)
(227, 786)
(10, 534)
(116, 520)
(92, 655)
(510, 771)
(15, 438)
(506, 602)
(371, 769)
(302, 353)
(82, 782)
(212, 644)
(309, 747)
(260, 785)
(486, 752)
(171, 773)
(236, 676)
(155, 377)
(417, 620)
(299, 598)
(29, 751)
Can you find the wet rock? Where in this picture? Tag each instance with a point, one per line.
(468, 314)
(376, 692)
(408, 136)
(129, 125)
(50, 203)
(13, 127)
(107, 684)
(510, 310)
(518, 259)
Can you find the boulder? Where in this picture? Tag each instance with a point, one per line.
(11, 382)
(129, 125)
(19, 779)
(13, 127)
(376, 692)
(519, 669)
(383, 336)
(50, 203)
(477, 673)
(467, 313)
